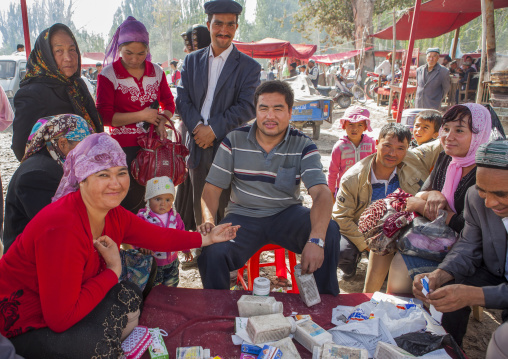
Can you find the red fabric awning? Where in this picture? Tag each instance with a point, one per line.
(341, 56)
(274, 48)
(437, 17)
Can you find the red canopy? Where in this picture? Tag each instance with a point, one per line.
(437, 17)
(332, 58)
(274, 48)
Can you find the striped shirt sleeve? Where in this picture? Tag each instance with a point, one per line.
(311, 166)
(221, 172)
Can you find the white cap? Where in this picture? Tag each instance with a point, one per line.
(159, 185)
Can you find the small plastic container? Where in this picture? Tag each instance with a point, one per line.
(261, 286)
(252, 305)
(307, 286)
(269, 328)
(309, 334)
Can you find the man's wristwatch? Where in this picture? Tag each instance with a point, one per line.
(317, 241)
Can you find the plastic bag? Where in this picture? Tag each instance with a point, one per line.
(429, 240)
(422, 343)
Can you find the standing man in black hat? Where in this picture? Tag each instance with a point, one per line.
(216, 95)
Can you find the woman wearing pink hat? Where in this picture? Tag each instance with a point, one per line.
(351, 148)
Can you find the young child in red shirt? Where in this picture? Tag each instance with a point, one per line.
(353, 147)
(159, 197)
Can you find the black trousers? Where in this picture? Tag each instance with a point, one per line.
(198, 180)
(135, 199)
(289, 229)
(455, 323)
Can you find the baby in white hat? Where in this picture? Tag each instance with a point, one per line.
(159, 197)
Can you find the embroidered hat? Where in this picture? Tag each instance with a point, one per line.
(433, 49)
(493, 154)
(356, 114)
(222, 7)
(159, 185)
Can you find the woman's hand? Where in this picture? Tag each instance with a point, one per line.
(188, 257)
(108, 249)
(415, 204)
(149, 115)
(161, 127)
(435, 202)
(221, 233)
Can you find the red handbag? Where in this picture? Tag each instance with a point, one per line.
(160, 157)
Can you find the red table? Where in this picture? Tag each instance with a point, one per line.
(205, 317)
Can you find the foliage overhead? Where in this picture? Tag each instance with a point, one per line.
(336, 17)
(42, 15)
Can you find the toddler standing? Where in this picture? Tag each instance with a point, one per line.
(351, 148)
(159, 197)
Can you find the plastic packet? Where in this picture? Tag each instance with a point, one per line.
(429, 240)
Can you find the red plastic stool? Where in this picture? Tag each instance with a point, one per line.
(253, 265)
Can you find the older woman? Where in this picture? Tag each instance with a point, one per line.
(130, 90)
(465, 127)
(52, 86)
(37, 178)
(59, 290)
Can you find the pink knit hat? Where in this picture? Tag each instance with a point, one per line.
(356, 114)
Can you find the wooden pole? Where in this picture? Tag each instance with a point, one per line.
(409, 58)
(479, 93)
(26, 30)
(394, 55)
(491, 34)
(455, 42)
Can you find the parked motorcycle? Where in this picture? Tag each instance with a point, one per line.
(344, 91)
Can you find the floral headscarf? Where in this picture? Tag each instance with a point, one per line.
(95, 153)
(482, 125)
(130, 30)
(48, 130)
(42, 68)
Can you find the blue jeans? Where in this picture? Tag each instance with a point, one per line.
(289, 229)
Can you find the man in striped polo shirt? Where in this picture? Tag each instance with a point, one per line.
(264, 163)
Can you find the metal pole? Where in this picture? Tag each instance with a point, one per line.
(479, 94)
(491, 34)
(394, 56)
(170, 45)
(26, 30)
(409, 58)
(455, 42)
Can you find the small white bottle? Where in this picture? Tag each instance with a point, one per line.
(261, 286)
(307, 287)
(269, 328)
(309, 334)
(252, 305)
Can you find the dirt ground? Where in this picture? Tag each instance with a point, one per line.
(478, 333)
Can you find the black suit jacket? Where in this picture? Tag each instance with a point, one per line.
(233, 100)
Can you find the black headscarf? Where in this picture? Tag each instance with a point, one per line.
(42, 68)
(196, 37)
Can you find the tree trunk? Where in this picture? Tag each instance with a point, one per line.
(363, 11)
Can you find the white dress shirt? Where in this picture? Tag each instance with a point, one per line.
(215, 66)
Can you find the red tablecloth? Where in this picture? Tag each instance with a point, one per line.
(205, 317)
